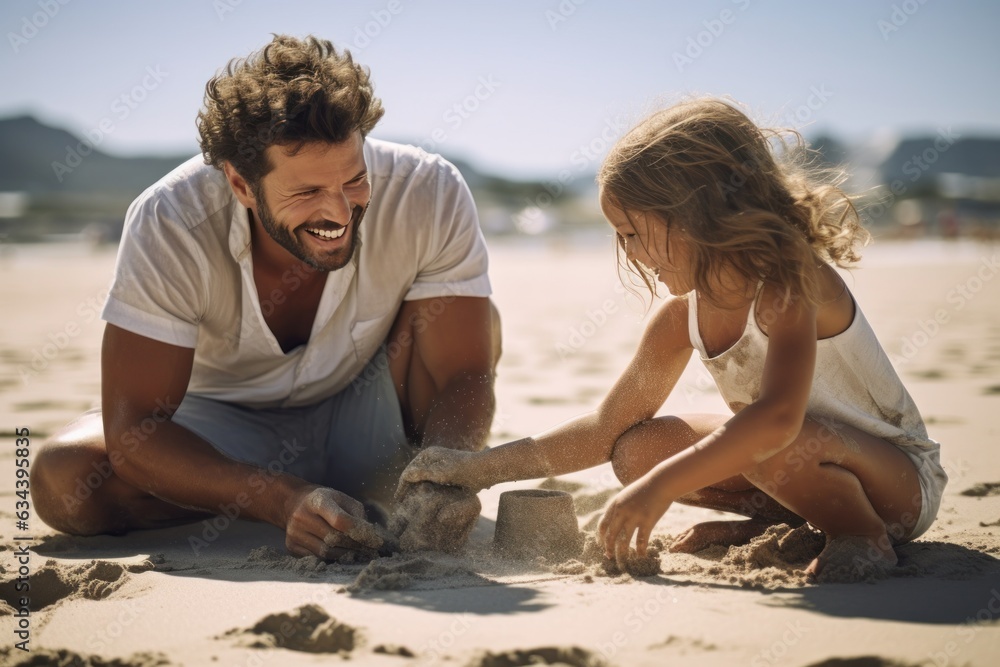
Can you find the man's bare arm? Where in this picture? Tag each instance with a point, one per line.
(143, 382)
(457, 350)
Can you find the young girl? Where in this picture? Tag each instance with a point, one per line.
(823, 430)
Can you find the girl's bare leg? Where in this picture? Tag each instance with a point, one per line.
(849, 484)
(853, 486)
(650, 442)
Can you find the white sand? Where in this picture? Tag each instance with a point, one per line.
(569, 332)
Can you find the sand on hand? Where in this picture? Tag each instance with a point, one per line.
(432, 517)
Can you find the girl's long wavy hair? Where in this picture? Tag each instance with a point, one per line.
(747, 197)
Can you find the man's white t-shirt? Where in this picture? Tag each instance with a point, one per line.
(184, 276)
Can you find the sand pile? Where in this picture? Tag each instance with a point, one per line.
(68, 658)
(269, 558)
(53, 582)
(431, 517)
(983, 489)
(309, 628)
(400, 572)
(555, 655)
(862, 661)
(592, 561)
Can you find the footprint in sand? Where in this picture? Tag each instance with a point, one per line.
(54, 582)
(552, 655)
(65, 656)
(309, 628)
(983, 489)
(862, 661)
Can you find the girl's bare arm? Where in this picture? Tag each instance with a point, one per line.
(587, 440)
(761, 429)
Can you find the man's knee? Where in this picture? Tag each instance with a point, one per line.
(497, 334)
(66, 479)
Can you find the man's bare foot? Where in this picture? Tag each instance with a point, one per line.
(710, 533)
(853, 558)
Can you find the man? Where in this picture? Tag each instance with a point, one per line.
(259, 359)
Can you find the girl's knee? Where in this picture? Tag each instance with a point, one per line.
(626, 456)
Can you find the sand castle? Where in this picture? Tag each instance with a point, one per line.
(534, 523)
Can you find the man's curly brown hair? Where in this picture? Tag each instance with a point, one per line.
(287, 94)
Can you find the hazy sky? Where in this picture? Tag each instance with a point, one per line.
(551, 76)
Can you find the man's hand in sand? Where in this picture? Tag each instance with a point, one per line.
(633, 511)
(319, 520)
(448, 467)
(436, 503)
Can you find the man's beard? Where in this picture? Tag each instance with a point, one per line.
(286, 237)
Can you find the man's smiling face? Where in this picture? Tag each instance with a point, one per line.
(312, 202)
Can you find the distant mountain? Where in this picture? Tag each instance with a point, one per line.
(66, 183)
(36, 158)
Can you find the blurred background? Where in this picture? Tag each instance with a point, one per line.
(525, 97)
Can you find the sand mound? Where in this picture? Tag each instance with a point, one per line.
(431, 517)
(67, 658)
(863, 661)
(983, 489)
(592, 561)
(53, 583)
(309, 628)
(774, 559)
(399, 572)
(555, 655)
(269, 558)
(778, 558)
(393, 649)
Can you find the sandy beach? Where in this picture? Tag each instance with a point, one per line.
(227, 593)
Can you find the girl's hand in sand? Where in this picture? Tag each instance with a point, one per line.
(637, 508)
(319, 520)
(448, 467)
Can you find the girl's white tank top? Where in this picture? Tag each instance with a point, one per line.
(853, 383)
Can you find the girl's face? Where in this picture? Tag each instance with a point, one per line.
(648, 242)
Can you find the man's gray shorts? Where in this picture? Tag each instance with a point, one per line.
(353, 442)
